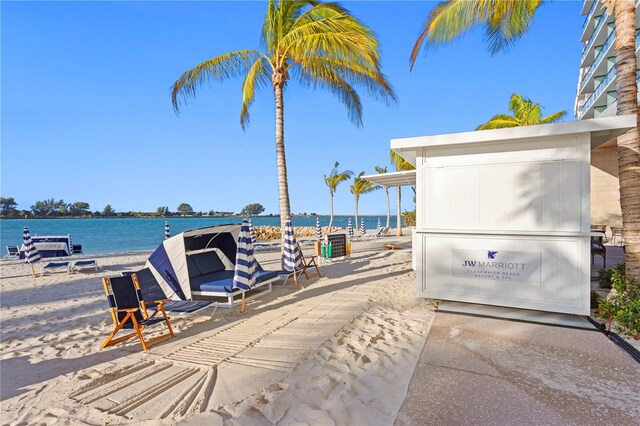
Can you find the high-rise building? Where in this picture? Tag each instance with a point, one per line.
(596, 97)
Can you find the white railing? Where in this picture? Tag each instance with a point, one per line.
(596, 93)
(591, 10)
(596, 61)
(599, 25)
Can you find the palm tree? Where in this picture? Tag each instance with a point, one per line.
(361, 186)
(506, 21)
(332, 181)
(382, 170)
(525, 113)
(401, 164)
(318, 44)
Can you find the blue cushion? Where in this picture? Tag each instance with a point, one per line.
(224, 281)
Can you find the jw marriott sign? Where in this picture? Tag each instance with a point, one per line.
(522, 266)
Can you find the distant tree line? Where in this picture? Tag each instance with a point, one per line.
(51, 208)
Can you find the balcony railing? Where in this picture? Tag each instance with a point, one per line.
(596, 93)
(591, 10)
(599, 25)
(605, 47)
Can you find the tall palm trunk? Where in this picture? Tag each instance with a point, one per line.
(330, 210)
(386, 188)
(283, 186)
(357, 212)
(628, 144)
(399, 218)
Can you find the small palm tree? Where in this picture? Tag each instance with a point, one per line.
(401, 165)
(525, 113)
(382, 170)
(332, 181)
(361, 186)
(321, 45)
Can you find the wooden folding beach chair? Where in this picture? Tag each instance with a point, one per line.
(304, 265)
(128, 311)
(312, 263)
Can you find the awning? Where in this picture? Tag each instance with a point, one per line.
(600, 130)
(393, 179)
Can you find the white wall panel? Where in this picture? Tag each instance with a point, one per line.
(526, 200)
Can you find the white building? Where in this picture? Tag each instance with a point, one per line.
(596, 97)
(503, 216)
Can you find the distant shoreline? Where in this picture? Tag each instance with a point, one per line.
(183, 217)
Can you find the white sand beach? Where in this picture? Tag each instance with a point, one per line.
(340, 350)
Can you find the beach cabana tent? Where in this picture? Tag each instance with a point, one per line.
(180, 260)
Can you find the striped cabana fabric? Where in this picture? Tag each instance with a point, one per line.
(291, 259)
(350, 228)
(167, 232)
(253, 234)
(31, 254)
(318, 229)
(363, 230)
(244, 274)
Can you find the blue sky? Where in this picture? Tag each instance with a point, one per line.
(87, 116)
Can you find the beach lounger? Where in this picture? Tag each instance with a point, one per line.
(13, 252)
(152, 294)
(55, 266)
(82, 264)
(77, 248)
(219, 285)
(128, 312)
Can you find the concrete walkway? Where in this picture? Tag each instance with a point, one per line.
(489, 371)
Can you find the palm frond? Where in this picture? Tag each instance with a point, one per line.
(497, 123)
(362, 186)
(504, 20)
(509, 21)
(399, 162)
(229, 65)
(335, 177)
(380, 169)
(257, 77)
(552, 118)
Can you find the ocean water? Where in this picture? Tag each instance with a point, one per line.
(140, 234)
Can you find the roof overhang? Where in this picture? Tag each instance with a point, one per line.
(389, 180)
(600, 130)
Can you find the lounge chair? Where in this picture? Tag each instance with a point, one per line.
(209, 278)
(13, 252)
(77, 248)
(152, 294)
(55, 266)
(380, 232)
(82, 264)
(128, 312)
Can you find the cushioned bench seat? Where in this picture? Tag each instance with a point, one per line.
(223, 282)
(216, 285)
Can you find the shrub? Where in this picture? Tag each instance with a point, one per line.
(596, 299)
(409, 218)
(605, 275)
(623, 307)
